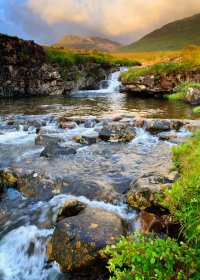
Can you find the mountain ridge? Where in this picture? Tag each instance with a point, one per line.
(172, 36)
(88, 43)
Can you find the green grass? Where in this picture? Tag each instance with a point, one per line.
(183, 200)
(182, 89)
(156, 69)
(173, 36)
(69, 57)
(196, 109)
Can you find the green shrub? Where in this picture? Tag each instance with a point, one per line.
(152, 258)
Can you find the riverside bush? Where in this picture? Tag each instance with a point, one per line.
(152, 258)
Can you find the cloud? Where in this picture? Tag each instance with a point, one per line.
(114, 17)
(46, 21)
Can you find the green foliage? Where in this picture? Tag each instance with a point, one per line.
(69, 57)
(183, 200)
(197, 109)
(152, 258)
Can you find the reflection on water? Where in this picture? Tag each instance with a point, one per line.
(101, 105)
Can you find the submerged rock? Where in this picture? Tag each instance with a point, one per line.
(77, 241)
(117, 132)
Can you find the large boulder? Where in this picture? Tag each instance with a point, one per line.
(193, 96)
(117, 132)
(145, 193)
(156, 126)
(77, 241)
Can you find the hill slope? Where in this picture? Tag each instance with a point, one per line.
(88, 43)
(173, 36)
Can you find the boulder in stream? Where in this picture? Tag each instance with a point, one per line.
(85, 140)
(117, 132)
(45, 140)
(143, 193)
(55, 150)
(77, 241)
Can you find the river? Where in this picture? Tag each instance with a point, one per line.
(98, 174)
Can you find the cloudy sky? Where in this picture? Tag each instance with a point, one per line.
(45, 21)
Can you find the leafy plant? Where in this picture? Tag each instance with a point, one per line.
(142, 258)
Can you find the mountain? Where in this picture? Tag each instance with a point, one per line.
(88, 43)
(172, 36)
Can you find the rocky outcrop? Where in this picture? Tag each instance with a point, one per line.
(77, 241)
(26, 71)
(158, 84)
(193, 96)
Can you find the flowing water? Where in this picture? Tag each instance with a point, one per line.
(98, 174)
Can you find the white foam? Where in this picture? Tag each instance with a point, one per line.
(23, 254)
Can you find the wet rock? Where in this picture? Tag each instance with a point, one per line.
(156, 126)
(148, 222)
(89, 123)
(89, 189)
(68, 125)
(77, 241)
(117, 132)
(1, 133)
(85, 140)
(8, 179)
(145, 221)
(117, 119)
(45, 140)
(138, 123)
(192, 126)
(193, 96)
(71, 208)
(43, 131)
(167, 137)
(65, 119)
(175, 124)
(38, 185)
(145, 193)
(55, 150)
(36, 123)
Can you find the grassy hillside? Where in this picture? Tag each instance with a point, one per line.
(88, 43)
(173, 36)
